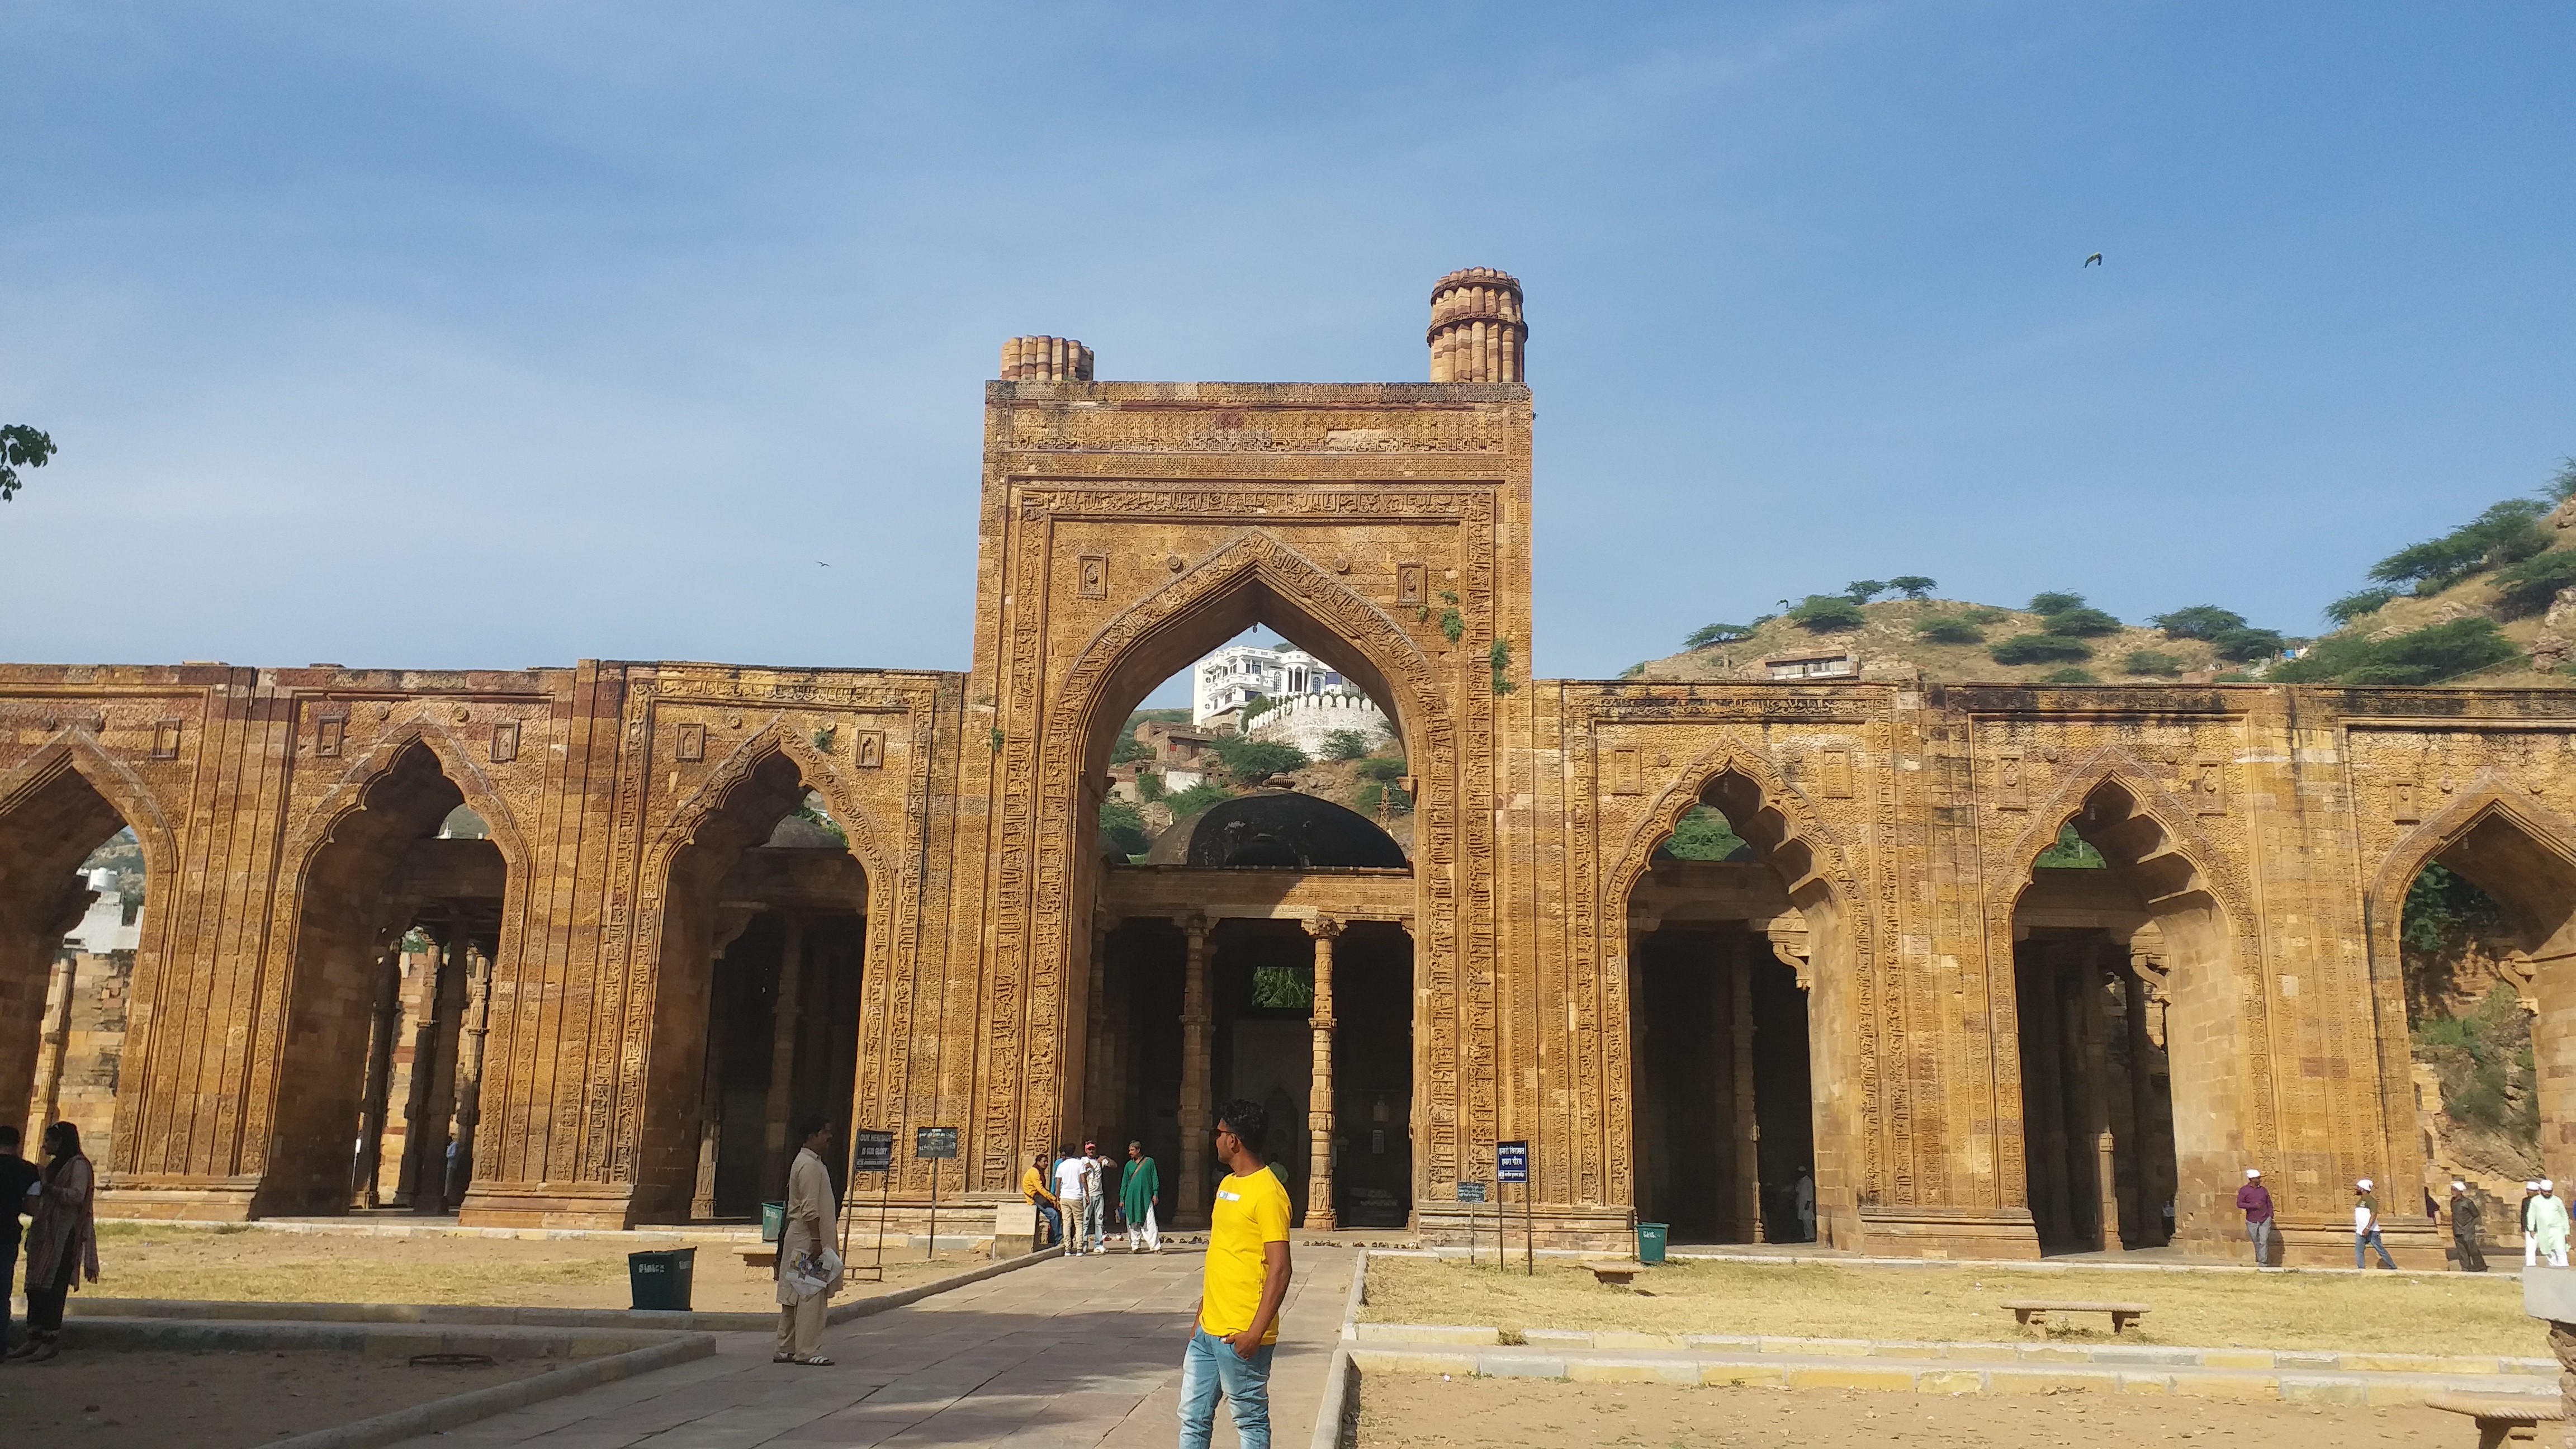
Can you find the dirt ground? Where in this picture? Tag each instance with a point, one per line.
(2448, 1313)
(214, 1400)
(1408, 1412)
(253, 1265)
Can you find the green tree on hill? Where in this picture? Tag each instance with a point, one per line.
(1708, 634)
(2529, 586)
(1861, 591)
(2200, 621)
(2353, 605)
(1252, 761)
(2151, 662)
(2507, 532)
(2055, 602)
(1949, 629)
(2424, 656)
(1919, 588)
(2081, 623)
(1827, 614)
(1122, 829)
(1346, 745)
(2039, 649)
(2244, 646)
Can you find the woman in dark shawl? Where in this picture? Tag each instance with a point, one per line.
(62, 1241)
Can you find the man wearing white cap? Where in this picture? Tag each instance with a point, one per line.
(2255, 1201)
(2465, 1221)
(2549, 1224)
(2365, 1227)
(2530, 1244)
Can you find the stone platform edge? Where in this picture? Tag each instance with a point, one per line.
(2358, 1389)
(457, 1410)
(2117, 1355)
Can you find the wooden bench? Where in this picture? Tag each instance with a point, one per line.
(2502, 1416)
(759, 1260)
(1614, 1275)
(2122, 1314)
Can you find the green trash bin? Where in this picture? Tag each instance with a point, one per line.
(661, 1280)
(773, 1221)
(1650, 1242)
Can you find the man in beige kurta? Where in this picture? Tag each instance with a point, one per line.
(808, 1235)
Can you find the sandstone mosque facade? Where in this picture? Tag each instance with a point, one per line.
(703, 897)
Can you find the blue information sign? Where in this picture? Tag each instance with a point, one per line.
(1511, 1161)
(871, 1151)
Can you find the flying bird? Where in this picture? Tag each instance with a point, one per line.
(818, 563)
(2094, 260)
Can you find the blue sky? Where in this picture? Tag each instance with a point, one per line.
(445, 335)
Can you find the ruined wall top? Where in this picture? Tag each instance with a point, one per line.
(1477, 331)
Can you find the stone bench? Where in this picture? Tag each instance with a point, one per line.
(2501, 1416)
(1614, 1275)
(759, 1260)
(2036, 1311)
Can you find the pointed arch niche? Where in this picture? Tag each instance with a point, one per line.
(2524, 859)
(1174, 1016)
(56, 812)
(764, 941)
(2131, 1027)
(406, 878)
(1740, 988)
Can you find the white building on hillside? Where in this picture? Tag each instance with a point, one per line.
(1308, 700)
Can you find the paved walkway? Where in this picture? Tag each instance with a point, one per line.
(1074, 1352)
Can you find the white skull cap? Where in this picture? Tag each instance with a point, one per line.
(2460, 1183)
(2364, 1184)
(2532, 1186)
(2253, 1172)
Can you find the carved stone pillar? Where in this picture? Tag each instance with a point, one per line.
(1747, 1125)
(1191, 1208)
(469, 1071)
(433, 1078)
(2049, 1106)
(1319, 1093)
(782, 1060)
(382, 1024)
(1098, 1056)
(2092, 1023)
(62, 982)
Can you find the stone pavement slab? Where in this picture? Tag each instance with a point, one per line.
(1070, 1354)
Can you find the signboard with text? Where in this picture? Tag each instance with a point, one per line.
(871, 1151)
(1471, 1192)
(934, 1142)
(1511, 1161)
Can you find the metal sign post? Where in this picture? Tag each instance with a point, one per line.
(1511, 1164)
(870, 1152)
(1472, 1193)
(934, 1145)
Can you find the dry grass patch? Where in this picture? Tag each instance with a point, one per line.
(2384, 1313)
(258, 1266)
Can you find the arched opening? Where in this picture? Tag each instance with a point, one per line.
(400, 919)
(2127, 1030)
(2483, 929)
(756, 1021)
(72, 898)
(1252, 935)
(1734, 969)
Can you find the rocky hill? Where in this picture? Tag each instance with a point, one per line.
(2492, 603)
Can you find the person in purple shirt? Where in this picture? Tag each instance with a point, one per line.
(2255, 1201)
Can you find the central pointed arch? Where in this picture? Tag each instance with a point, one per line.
(1789, 835)
(2201, 977)
(1254, 577)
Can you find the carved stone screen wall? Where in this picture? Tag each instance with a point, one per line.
(2261, 839)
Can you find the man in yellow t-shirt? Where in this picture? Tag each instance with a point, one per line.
(1033, 1183)
(1237, 1319)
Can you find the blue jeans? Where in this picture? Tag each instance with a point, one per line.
(1054, 1225)
(1212, 1364)
(2370, 1240)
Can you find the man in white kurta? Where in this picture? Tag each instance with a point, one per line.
(802, 1248)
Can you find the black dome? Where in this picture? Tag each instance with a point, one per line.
(1277, 828)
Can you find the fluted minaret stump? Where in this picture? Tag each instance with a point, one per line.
(1045, 359)
(1477, 331)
